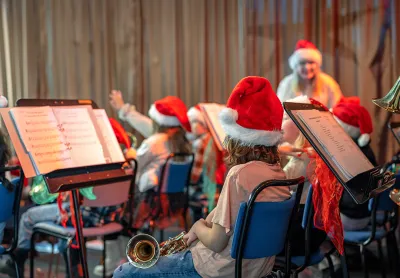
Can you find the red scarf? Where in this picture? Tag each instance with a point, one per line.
(326, 197)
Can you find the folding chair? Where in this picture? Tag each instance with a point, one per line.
(378, 230)
(106, 195)
(10, 202)
(174, 180)
(261, 228)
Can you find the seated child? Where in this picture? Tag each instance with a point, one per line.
(170, 123)
(209, 169)
(252, 122)
(357, 123)
(4, 157)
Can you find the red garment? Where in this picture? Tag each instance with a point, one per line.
(326, 197)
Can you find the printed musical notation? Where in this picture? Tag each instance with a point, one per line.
(111, 142)
(342, 150)
(58, 137)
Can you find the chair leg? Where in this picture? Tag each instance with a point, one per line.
(16, 266)
(363, 263)
(104, 257)
(393, 253)
(331, 267)
(381, 260)
(51, 261)
(57, 264)
(31, 261)
(343, 262)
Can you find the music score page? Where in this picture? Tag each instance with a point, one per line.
(211, 112)
(342, 150)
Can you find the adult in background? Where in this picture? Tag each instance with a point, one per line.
(307, 78)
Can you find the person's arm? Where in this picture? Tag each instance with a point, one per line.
(214, 238)
(138, 121)
(128, 113)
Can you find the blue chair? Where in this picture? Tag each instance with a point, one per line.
(10, 203)
(299, 263)
(261, 227)
(378, 229)
(174, 181)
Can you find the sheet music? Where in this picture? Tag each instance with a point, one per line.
(110, 139)
(42, 139)
(211, 112)
(80, 135)
(344, 153)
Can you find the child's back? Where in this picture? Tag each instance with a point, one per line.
(239, 184)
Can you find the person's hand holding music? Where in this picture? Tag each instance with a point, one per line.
(116, 99)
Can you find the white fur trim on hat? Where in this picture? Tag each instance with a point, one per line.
(352, 131)
(161, 119)
(195, 114)
(363, 140)
(303, 54)
(3, 102)
(250, 137)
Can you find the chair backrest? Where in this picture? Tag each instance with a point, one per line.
(109, 195)
(307, 207)
(266, 233)
(7, 200)
(175, 175)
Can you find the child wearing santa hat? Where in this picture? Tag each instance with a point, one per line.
(169, 124)
(208, 169)
(357, 123)
(252, 121)
(307, 78)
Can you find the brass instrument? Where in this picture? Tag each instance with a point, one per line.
(395, 196)
(143, 251)
(390, 102)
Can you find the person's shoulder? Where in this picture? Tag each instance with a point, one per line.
(156, 138)
(328, 80)
(286, 80)
(257, 168)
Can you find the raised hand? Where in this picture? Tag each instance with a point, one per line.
(116, 99)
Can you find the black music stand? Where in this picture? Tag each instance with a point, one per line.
(73, 179)
(361, 187)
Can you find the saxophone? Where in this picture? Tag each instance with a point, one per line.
(143, 251)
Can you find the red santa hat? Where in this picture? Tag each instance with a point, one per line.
(3, 102)
(305, 50)
(253, 114)
(195, 114)
(354, 118)
(170, 112)
(120, 133)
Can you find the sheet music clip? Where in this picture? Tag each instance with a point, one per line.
(361, 187)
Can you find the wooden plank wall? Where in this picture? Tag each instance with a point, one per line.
(196, 49)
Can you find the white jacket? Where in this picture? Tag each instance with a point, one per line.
(152, 153)
(329, 95)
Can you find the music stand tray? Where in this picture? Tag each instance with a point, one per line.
(361, 187)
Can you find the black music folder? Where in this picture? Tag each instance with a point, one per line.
(340, 153)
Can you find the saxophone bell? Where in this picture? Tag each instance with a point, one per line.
(143, 251)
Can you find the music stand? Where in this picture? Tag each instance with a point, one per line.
(73, 179)
(361, 187)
